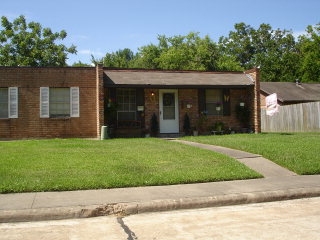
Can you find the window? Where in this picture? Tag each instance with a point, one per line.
(126, 99)
(169, 106)
(214, 101)
(59, 102)
(4, 103)
(9, 102)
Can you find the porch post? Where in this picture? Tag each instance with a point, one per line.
(99, 98)
(256, 116)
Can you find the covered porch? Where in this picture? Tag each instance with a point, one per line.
(141, 103)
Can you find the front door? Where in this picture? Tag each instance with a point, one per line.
(169, 113)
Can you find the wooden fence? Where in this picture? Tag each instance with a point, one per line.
(304, 117)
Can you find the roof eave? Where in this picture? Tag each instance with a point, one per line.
(175, 86)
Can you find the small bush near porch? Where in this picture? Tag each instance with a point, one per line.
(72, 164)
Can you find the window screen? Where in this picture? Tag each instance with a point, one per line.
(3, 102)
(214, 102)
(59, 99)
(126, 100)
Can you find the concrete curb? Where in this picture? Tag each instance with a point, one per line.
(124, 209)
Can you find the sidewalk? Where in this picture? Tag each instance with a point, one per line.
(278, 184)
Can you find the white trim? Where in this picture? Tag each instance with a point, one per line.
(169, 125)
(13, 102)
(44, 102)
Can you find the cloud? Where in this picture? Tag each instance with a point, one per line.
(85, 52)
(91, 52)
(84, 56)
(296, 34)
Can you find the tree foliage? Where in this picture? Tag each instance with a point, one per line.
(274, 51)
(81, 64)
(309, 46)
(121, 58)
(190, 52)
(29, 44)
(280, 56)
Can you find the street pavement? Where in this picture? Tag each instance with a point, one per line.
(293, 219)
(278, 184)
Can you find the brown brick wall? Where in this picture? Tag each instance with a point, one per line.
(247, 94)
(90, 83)
(151, 105)
(29, 124)
(255, 95)
(190, 97)
(100, 98)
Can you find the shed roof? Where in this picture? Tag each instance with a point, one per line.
(153, 78)
(291, 92)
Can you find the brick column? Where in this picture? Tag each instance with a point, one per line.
(99, 98)
(256, 116)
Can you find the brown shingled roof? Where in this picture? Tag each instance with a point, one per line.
(291, 92)
(154, 78)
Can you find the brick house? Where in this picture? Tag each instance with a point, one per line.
(50, 102)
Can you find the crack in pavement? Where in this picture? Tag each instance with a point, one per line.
(131, 235)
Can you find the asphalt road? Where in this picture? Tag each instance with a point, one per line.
(294, 219)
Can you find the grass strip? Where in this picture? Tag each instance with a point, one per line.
(73, 164)
(298, 152)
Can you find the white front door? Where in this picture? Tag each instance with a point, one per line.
(169, 112)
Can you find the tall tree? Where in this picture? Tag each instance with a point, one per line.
(28, 44)
(81, 64)
(121, 58)
(276, 54)
(239, 44)
(147, 57)
(309, 46)
(274, 51)
(190, 52)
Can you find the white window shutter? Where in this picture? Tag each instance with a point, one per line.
(44, 102)
(74, 102)
(13, 102)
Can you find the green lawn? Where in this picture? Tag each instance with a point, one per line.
(299, 152)
(72, 164)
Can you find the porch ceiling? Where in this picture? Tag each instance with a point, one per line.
(151, 78)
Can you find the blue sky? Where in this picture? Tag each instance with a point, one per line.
(100, 26)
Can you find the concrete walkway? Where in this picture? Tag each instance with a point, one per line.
(278, 184)
(256, 162)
